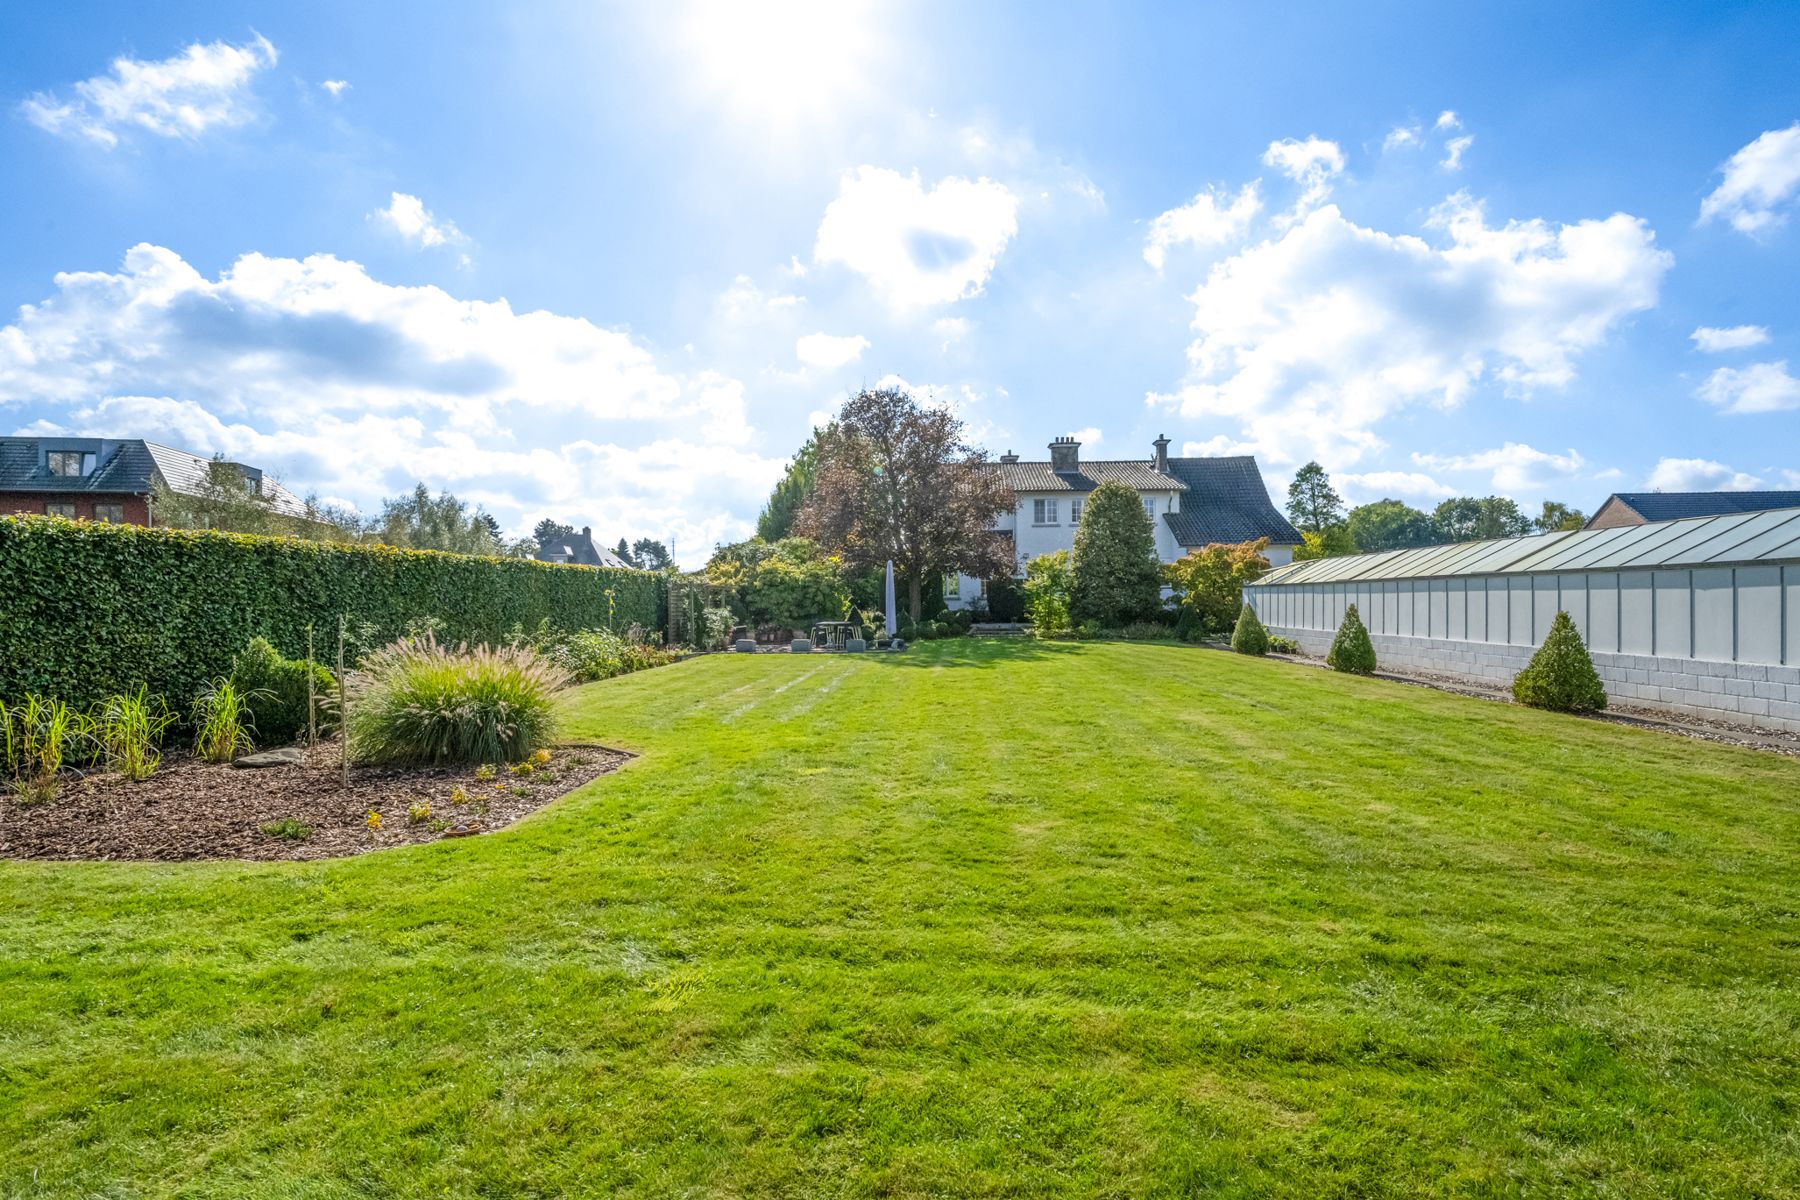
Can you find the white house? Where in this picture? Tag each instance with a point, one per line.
(1192, 502)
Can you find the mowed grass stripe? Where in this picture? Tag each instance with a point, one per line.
(1002, 919)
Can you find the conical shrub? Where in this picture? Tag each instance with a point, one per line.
(1351, 649)
(1249, 637)
(1561, 675)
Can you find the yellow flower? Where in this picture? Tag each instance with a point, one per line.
(541, 757)
(374, 820)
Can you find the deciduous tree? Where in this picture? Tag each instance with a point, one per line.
(895, 480)
(1329, 542)
(420, 521)
(1209, 582)
(1389, 525)
(1557, 517)
(789, 497)
(1467, 519)
(789, 582)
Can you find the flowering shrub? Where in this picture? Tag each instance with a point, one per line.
(598, 653)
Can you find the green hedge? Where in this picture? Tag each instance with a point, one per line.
(87, 609)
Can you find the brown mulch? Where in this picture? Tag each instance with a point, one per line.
(192, 809)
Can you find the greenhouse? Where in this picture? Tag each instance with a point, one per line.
(1700, 616)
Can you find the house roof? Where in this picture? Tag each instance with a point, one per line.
(579, 548)
(124, 466)
(1085, 477)
(1226, 501)
(1726, 540)
(1673, 506)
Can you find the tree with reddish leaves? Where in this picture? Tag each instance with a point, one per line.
(895, 480)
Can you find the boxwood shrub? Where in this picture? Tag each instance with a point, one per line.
(1351, 650)
(1250, 636)
(1561, 675)
(91, 610)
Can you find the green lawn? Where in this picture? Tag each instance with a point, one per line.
(984, 919)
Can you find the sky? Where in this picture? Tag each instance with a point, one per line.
(610, 263)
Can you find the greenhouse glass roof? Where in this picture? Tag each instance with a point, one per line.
(1731, 539)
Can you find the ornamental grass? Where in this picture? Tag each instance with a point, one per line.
(416, 701)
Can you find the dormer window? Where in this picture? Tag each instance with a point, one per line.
(66, 463)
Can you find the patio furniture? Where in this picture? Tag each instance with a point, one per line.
(833, 635)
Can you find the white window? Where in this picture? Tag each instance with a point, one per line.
(1150, 507)
(952, 585)
(1075, 512)
(64, 462)
(1043, 512)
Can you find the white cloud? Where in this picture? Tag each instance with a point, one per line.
(1698, 475)
(202, 87)
(918, 246)
(1312, 163)
(1209, 219)
(356, 387)
(1401, 137)
(1311, 339)
(1516, 467)
(1758, 388)
(1759, 179)
(745, 303)
(1382, 484)
(827, 352)
(407, 216)
(1453, 152)
(337, 87)
(1089, 437)
(1218, 446)
(951, 330)
(1715, 340)
(1447, 120)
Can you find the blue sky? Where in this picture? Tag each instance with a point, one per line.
(608, 263)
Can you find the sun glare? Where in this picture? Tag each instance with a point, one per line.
(781, 60)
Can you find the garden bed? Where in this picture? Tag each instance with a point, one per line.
(192, 809)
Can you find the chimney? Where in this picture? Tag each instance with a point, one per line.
(1161, 460)
(1009, 457)
(1065, 454)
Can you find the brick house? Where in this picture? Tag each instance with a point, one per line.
(112, 479)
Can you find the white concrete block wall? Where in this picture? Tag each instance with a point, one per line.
(1715, 641)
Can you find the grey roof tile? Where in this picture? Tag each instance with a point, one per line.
(1226, 501)
(1085, 477)
(1673, 506)
(128, 466)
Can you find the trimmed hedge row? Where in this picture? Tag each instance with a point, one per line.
(88, 609)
